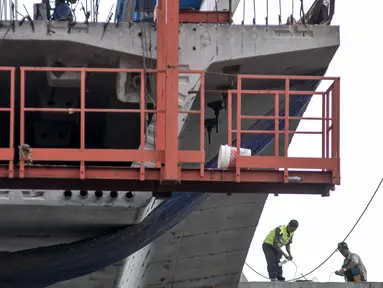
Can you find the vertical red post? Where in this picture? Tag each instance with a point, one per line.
(335, 143)
(324, 125)
(82, 120)
(328, 122)
(239, 118)
(229, 118)
(287, 120)
(160, 95)
(276, 125)
(142, 123)
(171, 98)
(11, 120)
(202, 122)
(22, 117)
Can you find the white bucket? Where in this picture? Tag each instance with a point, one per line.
(227, 156)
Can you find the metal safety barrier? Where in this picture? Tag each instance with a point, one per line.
(83, 154)
(251, 173)
(329, 161)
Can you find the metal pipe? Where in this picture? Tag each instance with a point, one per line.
(129, 195)
(83, 193)
(113, 194)
(98, 193)
(67, 194)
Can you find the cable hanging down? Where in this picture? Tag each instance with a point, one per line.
(348, 234)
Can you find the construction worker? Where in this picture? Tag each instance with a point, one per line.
(353, 268)
(277, 238)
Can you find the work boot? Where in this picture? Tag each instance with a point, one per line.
(273, 279)
(280, 278)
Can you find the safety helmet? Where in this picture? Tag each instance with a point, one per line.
(342, 246)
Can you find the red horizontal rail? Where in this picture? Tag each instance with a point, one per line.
(286, 77)
(271, 162)
(190, 16)
(256, 117)
(90, 110)
(111, 155)
(88, 70)
(115, 173)
(272, 92)
(263, 182)
(6, 154)
(273, 132)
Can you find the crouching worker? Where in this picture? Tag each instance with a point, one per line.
(352, 269)
(277, 238)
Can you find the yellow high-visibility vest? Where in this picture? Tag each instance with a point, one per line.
(284, 236)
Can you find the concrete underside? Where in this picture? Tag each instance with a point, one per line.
(208, 247)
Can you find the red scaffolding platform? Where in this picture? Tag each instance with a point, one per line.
(255, 173)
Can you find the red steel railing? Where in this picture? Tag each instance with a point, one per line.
(106, 155)
(249, 169)
(329, 161)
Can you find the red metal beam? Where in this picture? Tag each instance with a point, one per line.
(105, 155)
(193, 175)
(161, 64)
(189, 16)
(6, 154)
(171, 95)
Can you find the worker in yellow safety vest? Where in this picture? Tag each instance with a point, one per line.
(277, 238)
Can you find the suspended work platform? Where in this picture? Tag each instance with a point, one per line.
(75, 168)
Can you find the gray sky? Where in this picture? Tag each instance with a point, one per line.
(325, 221)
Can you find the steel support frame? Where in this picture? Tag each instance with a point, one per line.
(168, 175)
(171, 90)
(61, 177)
(328, 164)
(161, 64)
(214, 181)
(83, 155)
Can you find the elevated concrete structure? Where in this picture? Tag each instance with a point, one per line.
(210, 246)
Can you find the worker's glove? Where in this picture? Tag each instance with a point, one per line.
(289, 257)
(340, 272)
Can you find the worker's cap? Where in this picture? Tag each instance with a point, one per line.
(294, 223)
(342, 246)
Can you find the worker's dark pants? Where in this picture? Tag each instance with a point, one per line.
(349, 274)
(272, 257)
